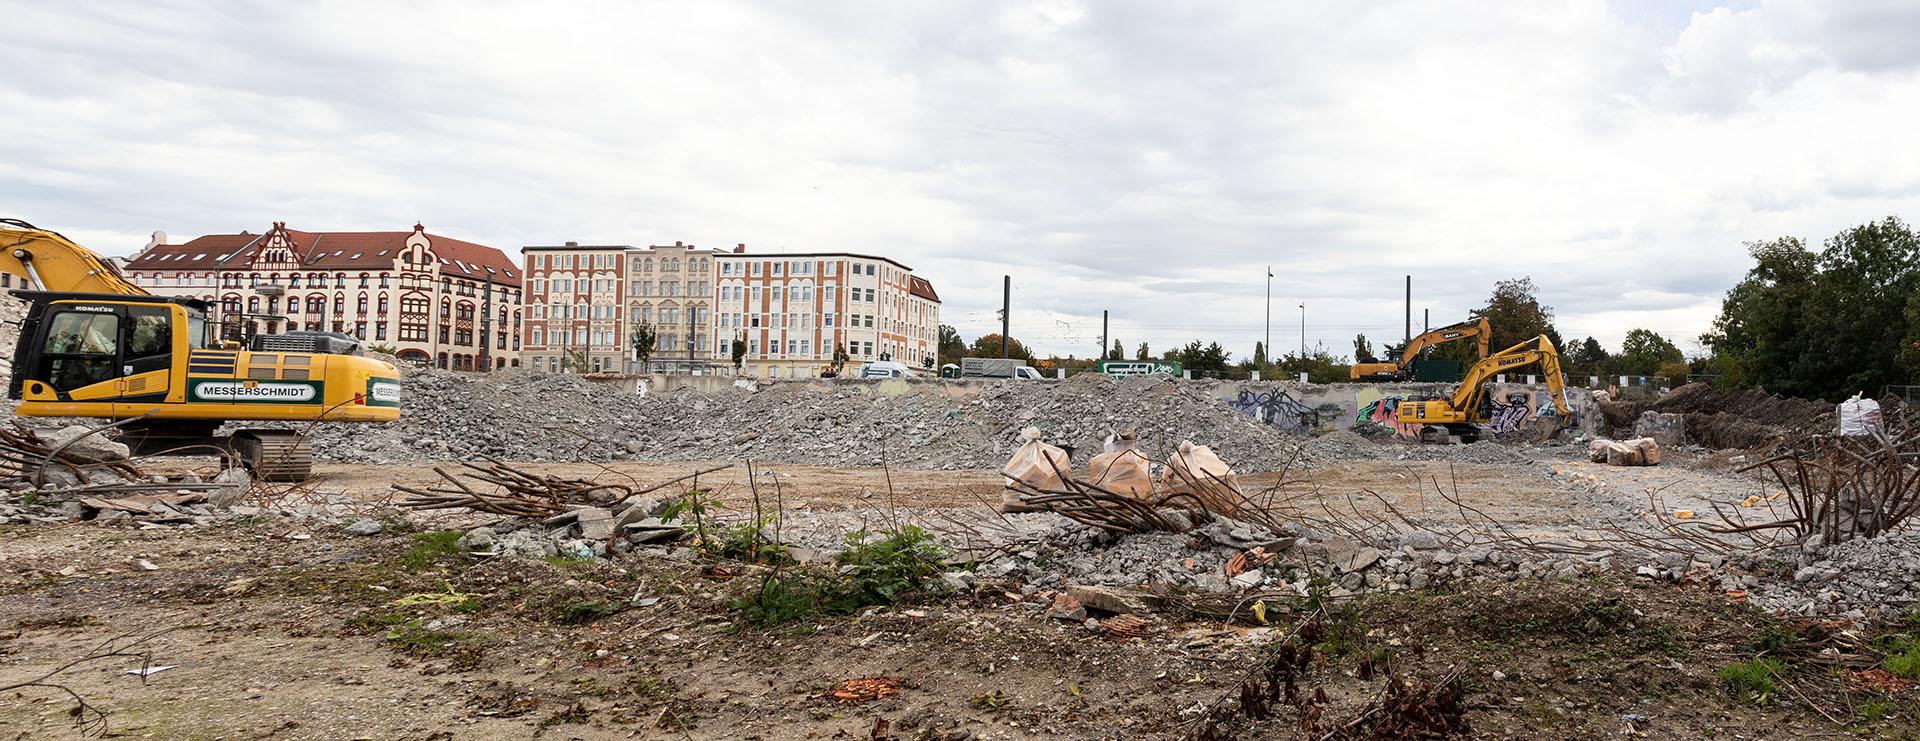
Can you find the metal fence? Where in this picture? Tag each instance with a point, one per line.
(1904, 393)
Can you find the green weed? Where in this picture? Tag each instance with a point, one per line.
(581, 613)
(428, 546)
(1753, 680)
(1903, 658)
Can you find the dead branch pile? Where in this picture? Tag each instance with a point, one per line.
(1843, 487)
(25, 455)
(1092, 504)
(497, 488)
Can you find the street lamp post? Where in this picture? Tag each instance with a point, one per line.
(1268, 346)
(1303, 334)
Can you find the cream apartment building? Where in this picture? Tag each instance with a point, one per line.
(794, 310)
(585, 301)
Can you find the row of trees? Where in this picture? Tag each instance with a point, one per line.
(1824, 324)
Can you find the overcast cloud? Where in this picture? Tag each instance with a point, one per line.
(1150, 159)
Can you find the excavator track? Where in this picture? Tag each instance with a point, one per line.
(275, 455)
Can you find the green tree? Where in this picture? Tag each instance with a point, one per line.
(1823, 325)
(1645, 351)
(1362, 350)
(1209, 359)
(739, 352)
(1143, 353)
(952, 348)
(988, 346)
(1587, 358)
(1259, 354)
(1909, 357)
(643, 342)
(840, 356)
(1319, 365)
(1118, 352)
(1514, 315)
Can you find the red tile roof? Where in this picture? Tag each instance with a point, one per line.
(919, 286)
(332, 251)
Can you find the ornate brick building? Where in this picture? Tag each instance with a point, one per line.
(435, 300)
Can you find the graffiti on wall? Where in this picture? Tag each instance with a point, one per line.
(1277, 408)
(1508, 415)
(1318, 409)
(1385, 411)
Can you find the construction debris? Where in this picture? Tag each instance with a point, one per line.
(497, 488)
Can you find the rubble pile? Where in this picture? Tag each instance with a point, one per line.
(1855, 579)
(512, 415)
(508, 415)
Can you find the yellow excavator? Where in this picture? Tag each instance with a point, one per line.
(93, 344)
(1470, 406)
(1370, 369)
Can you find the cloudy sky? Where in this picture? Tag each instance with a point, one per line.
(1147, 158)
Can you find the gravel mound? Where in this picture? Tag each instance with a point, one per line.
(448, 415)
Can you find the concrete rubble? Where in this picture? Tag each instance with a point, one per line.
(525, 416)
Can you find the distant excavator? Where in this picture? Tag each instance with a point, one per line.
(1470, 406)
(1371, 369)
(93, 344)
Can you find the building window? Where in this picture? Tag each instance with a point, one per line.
(361, 306)
(380, 330)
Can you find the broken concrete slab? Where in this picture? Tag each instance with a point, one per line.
(1115, 599)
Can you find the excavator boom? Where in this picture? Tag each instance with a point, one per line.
(1402, 369)
(1469, 405)
(52, 262)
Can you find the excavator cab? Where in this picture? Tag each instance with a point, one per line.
(101, 349)
(97, 345)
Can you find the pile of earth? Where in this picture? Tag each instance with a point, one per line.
(522, 415)
(1729, 419)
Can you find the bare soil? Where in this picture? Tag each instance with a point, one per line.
(291, 630)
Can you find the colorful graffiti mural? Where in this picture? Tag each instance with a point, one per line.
(1277, 408)
(1385, 411)
(1325, 407)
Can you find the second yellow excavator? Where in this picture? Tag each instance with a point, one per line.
(1461, 414)
(93, 344)
(1370, 369)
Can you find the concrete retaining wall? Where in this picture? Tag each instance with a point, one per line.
(1311, 408)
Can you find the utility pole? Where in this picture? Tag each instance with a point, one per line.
(1426, 321)
(1268, 347)
(1303, 334)
(1407, 331)
(1103, 336)
(1006, 311)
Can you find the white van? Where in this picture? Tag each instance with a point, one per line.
(1027, 372)
(886, 369)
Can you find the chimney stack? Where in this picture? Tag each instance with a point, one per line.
(677, 243)
(573, 244)
(741, 248)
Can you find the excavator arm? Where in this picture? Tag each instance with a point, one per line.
(52, 262)
(1537, 350)
(1461, 411)
(1398, 370)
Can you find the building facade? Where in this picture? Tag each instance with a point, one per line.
(435, 300)
(794, 311)
(587, 302)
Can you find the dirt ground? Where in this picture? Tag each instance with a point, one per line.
(286, 629)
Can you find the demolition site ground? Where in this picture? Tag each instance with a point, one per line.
(1507, 589)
